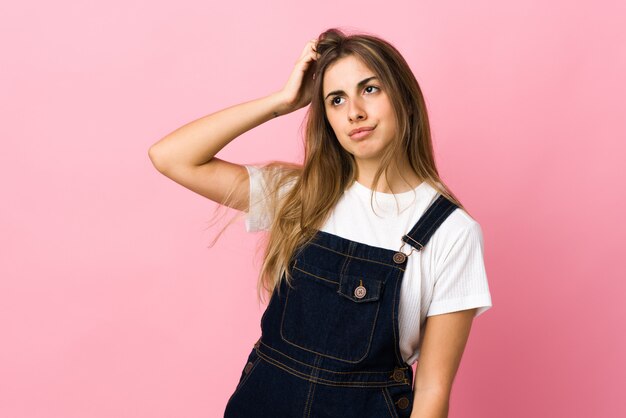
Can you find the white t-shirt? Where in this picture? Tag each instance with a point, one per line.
(447, 275)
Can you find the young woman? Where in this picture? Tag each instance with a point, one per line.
(371, 261)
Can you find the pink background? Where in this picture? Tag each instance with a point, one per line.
(111, 304)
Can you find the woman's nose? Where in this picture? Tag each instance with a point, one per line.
(356, 111)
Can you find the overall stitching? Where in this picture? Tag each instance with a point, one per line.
(326, 382)
(443, 214)
(394, 323)
(314, 275)
(390, 404)
(425, 236)
(396, 266)
(328, 370)
(309, 398)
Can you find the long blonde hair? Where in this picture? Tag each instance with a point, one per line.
(311, 190)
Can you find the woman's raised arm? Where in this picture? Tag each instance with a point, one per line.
(187, 155)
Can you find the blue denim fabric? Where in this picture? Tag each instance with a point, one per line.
(329, 344)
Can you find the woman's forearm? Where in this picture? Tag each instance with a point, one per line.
(198, 141)
(430, 404)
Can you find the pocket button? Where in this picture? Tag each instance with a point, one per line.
(248, 367)
(360, 292)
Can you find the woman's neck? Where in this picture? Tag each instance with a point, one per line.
(400, 179)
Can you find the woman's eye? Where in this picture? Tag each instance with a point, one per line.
(333, 102)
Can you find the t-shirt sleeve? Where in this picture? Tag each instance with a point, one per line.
(257, 217)
(260, 212)
(461, 279)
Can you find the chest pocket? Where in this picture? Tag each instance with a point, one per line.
(330, 314)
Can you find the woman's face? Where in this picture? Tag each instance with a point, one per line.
(353, 98)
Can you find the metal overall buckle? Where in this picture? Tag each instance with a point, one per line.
(399, 257)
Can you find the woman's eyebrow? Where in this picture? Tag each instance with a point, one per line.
(359, 84)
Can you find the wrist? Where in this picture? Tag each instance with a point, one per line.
(281, 104)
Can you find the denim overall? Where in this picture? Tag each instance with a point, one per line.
(329, 345)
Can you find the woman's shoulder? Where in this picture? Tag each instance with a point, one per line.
(457, 225)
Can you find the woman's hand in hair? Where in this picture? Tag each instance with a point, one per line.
(297, 92)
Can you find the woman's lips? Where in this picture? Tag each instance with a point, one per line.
(362, 134)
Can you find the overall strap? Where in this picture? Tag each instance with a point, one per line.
(426, 226)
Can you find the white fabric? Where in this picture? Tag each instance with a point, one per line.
(447, 275)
